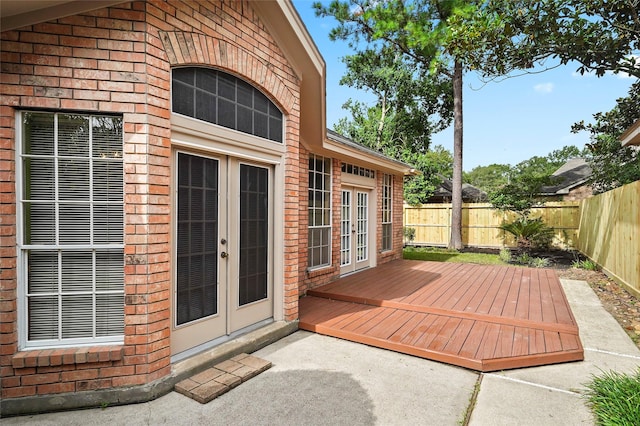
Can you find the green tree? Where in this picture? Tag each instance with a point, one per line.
(434, 165)
(407, 110)
(488, 178)
(601, 35)
(613, 165)
(430, 37)
(410, 105)
(543, 167)
(526, 179)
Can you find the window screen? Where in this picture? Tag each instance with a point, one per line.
(220, 98)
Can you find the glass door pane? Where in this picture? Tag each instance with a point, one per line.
(197, 237)
(254, 234)
(345, 229)
(362, 226)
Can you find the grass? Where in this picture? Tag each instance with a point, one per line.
(615, 398)
(587, 264)
(444, 255)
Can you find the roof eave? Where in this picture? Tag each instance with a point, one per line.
(21, 13)
(357, 156)
(306, 60)
(632, 135)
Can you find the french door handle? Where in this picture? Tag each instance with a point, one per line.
(224, 254)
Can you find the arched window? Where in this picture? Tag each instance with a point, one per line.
(220, 98)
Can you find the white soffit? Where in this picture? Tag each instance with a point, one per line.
(20, 13)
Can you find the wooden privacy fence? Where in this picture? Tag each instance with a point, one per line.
(481, 222)
(610, 233)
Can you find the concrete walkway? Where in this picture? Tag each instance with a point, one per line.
(319, 380)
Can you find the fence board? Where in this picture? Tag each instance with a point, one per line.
(610, 233)
(480, 223)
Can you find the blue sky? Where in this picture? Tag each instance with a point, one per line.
(505, 122)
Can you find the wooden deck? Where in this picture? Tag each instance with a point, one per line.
(481, 317)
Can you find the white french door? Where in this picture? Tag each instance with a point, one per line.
(223, 257)
(354, 230)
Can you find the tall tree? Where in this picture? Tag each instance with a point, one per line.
(420, 32)
(410, 104)
(408, 109)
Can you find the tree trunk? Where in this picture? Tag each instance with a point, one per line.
(455, 242)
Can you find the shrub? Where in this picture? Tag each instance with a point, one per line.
(409, 234)
(587, 264)
(505, 255)
(529, 233)
(523, 259)
(539, 262)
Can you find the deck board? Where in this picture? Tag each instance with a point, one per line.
(482, 317)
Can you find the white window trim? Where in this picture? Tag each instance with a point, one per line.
(22, 279)
(330, 226)
(390, 211)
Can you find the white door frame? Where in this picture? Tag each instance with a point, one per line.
(349, 231)
(196, 137)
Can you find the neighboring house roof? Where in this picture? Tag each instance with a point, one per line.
(572, 174)
(632, 135)
(351, 150)
(470, 194)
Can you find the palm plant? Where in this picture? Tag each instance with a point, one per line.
(529, 233)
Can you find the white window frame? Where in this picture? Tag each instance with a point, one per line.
(314, 209)
(23, 248)
(387, 210)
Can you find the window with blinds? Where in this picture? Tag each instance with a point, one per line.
(319, 253)
(387, 209)
(71, 220)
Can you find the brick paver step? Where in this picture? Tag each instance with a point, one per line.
(213, 382)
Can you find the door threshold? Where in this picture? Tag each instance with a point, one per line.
(218, 341)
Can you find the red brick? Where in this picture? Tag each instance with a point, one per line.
(10, 382)
(93, 355)
(51, 28)
(25, 371)
(18, 392)
(69, 357)
(85, 385)
(39, 379)
(77, 375)
(81, 355)
(32, 37)
(117, 371)
(18, 361)
(43, 357)
(56, 357)
(83, 42)
(56, 388)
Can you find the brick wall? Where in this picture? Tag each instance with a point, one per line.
(315, 278)
(579, 193)
(116, 60)
(396, 218)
